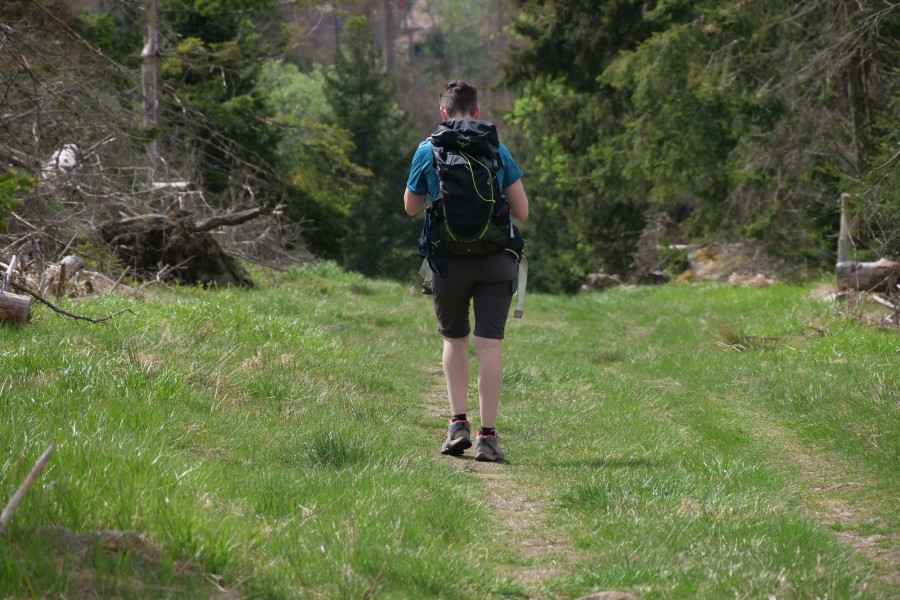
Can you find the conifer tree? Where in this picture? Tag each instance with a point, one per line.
(382, 238)
(738, 121)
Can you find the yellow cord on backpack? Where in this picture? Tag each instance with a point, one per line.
(468, 160)
(472, 171)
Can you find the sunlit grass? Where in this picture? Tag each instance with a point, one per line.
(278, 443)
(682, 469)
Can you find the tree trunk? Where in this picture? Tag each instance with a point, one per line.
(389, 35)
(151, 83)
(846, 247)
(14, 308)
(882, 276)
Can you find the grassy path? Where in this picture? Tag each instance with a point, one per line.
(728, 473)
(678, 468)
(520, 518)
(284, 443)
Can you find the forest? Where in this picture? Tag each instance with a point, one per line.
(282, 131)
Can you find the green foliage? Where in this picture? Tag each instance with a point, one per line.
(119, 41)
(574, 40)
(100, 257)
(383, 239)
(584, 218)
(315, 154)
(589, 184)
(293, 96)
(216, 107)
(257, 120)
(752, 116)
(13, 185)
(876, 197)
(674, 261)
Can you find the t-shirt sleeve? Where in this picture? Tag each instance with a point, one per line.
(511, 171)
(421, 164)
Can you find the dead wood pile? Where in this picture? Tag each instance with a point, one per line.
(186, 248)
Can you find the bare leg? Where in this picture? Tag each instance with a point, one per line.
(490, 378)
(456, 371)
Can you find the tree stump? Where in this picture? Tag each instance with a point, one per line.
(14, 308)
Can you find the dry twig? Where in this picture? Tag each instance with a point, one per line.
(26, 485)
(27, 290)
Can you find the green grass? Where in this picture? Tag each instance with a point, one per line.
(283, 443)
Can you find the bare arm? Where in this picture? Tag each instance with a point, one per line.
(518, 201)
(413, 203)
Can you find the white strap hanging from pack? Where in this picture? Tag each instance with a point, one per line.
(520, 290)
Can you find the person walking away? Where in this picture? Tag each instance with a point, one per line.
(486, 280)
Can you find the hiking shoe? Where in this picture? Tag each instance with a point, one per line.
(459, 438)
(487, 448)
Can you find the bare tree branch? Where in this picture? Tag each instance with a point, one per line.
(230, 219)
(27, 290)
(26, 485)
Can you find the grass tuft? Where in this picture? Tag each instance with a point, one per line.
(331, 449)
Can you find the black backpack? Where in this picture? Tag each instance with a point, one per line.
(470, 216)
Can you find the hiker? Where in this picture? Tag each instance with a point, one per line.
(487, 280)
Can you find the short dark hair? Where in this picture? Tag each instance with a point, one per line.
(459, 97)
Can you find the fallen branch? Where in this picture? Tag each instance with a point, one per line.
(23, 489)
(164, 271)
(235, 218)
(886, 303)
(16, 157)
(96, 147)
(145, 218)
(27, 290)
(119, 280)
(10, 271)
(877, 276)
(230, 219)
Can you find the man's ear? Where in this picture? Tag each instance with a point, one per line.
(444, 115)
(477, 112)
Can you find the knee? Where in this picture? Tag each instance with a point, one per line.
(456, 345)
(460, 341)
(487, 345)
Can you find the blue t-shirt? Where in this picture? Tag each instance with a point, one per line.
(423, 178)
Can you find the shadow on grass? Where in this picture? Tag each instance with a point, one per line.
(592, 463)
(465, 457)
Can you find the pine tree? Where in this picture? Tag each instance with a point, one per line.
(382, 239)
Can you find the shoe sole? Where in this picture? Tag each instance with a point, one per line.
(457, 447)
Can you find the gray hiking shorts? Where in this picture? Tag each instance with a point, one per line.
(488, 281)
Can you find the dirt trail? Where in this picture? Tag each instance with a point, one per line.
(540, 555)
(828, 479)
